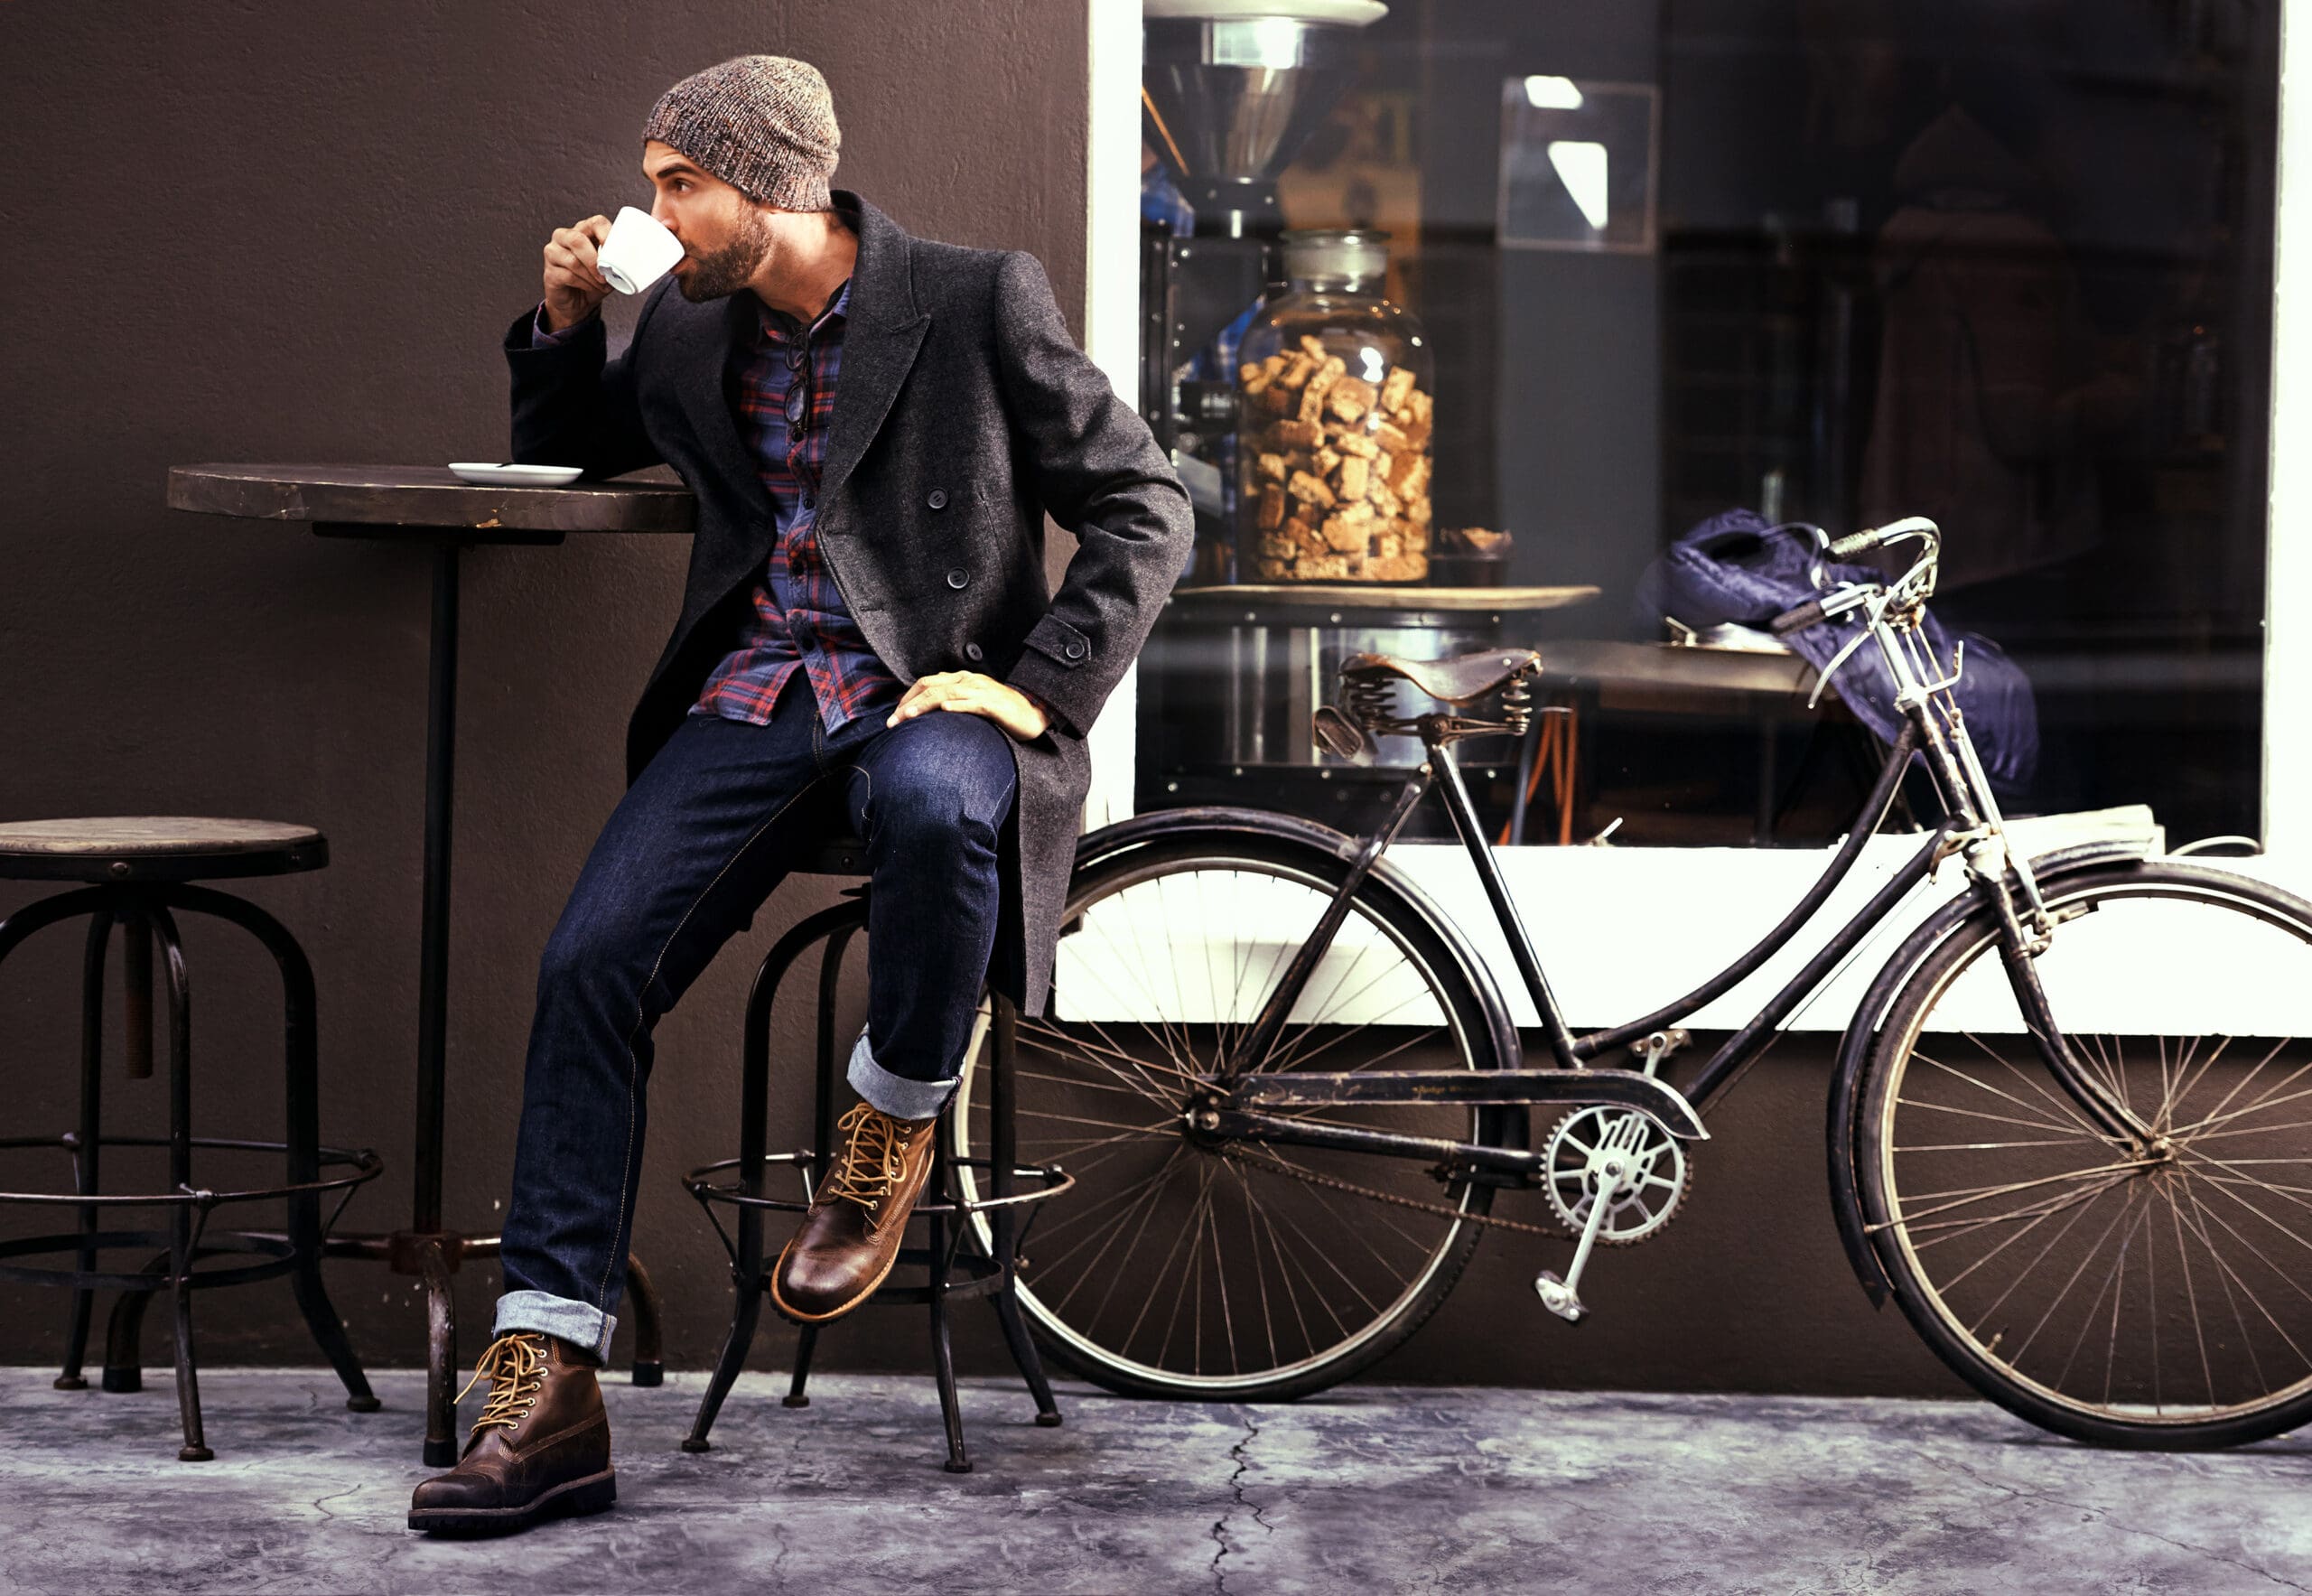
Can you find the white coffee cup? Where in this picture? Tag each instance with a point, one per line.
(638, 251)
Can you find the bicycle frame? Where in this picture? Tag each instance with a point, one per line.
(1933, 733)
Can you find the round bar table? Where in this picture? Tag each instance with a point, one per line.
(428, 507)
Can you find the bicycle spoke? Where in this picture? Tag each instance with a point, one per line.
(2004, 1096)
(2029, 1125)
(2061, 1104)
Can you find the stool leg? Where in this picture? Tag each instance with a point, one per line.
(806, 1344)
(747, 1308)
(195, 1449)
(1003, 1149)
(181, 1243)
(746, 1263)
(649, 1363)
(124, 1335)
(300, 1047)
(943, 1357)
(440, 1358)
(85, 1147)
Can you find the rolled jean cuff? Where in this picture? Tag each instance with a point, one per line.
(896, 1095)
(543, 1311)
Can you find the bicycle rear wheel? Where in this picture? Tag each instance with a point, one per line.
(2155, 1297)
(1189, 1267)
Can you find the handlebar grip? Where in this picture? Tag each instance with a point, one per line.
(1807, 614)
(1856, 544)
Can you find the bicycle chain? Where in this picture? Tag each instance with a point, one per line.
(1414, 1203)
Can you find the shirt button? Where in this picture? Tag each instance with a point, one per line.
(973, 652)
(958, 576)
(810, 502)
(939, 501)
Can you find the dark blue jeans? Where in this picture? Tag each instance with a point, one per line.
(697, 843)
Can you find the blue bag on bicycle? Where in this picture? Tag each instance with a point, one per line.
(1735, 568)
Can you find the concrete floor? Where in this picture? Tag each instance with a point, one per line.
(1370, 1490)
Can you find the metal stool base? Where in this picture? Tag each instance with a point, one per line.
(948, 1272)
(144, 908)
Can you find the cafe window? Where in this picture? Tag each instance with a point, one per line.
(1569, 283)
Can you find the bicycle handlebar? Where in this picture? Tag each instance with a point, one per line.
(1856, 544)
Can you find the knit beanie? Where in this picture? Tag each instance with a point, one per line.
(763, 124)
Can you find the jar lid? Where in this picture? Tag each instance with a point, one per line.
(1335, 252)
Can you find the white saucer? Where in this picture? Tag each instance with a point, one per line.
(487, 475)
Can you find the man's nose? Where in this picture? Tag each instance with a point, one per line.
(662, 215)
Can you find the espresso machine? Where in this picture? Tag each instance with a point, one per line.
(1230, 90)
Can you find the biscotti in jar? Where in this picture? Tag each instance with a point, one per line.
(1333, 445)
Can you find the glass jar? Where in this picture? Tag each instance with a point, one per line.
(1332, 443)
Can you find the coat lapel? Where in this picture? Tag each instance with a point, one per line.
(879, 343)
(705, 339)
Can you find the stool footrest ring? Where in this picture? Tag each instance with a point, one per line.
(702, 1185)
(365, 1165)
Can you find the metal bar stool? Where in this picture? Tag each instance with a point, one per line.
(953, 1207)
(139, 872)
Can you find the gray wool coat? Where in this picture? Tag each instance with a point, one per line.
(963, 416)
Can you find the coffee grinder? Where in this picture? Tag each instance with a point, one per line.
(1230, 90)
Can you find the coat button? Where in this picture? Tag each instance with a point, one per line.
(1073, 650)
(958, 576)
(938, 499)
(973, 652)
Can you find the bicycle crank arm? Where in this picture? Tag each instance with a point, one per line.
(1615, 1088)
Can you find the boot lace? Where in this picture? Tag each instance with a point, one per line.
(873, 1161)
(516, 1367)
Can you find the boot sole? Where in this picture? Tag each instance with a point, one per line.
(595, 1493)
(795, 1316)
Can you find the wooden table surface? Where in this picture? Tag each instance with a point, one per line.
(424, 495)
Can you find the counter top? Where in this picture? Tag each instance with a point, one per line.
(1383, 595)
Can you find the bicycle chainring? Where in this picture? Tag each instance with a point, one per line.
(1642, 1203)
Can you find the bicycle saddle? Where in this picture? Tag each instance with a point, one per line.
(1458, 681)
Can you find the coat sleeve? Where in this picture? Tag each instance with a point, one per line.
(573, 405)
(1097, 471)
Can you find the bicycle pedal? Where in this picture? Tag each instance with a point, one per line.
(1557, 1297)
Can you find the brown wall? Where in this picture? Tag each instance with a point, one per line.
(273, 231)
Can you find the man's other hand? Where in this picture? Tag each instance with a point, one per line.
(974, 694)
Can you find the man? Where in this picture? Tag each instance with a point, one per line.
(875, 425)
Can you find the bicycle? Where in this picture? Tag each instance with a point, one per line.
(1288, 1089)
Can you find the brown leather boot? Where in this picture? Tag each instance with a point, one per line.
(541, 1448)
(850, 1238)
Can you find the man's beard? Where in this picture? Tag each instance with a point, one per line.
(729, 268)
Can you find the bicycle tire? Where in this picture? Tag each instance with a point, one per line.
(2206, 1229)
(1398, 914)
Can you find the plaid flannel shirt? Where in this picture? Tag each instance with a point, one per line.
(798, 619)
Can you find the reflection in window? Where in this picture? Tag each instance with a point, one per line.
(2004, 263)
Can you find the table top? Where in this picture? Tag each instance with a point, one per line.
(424, 495)
(1384, 595)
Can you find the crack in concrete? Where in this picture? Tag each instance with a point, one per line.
(1237, 1499)
(327, 1516)
(2099, 1513)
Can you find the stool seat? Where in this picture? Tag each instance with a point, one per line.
(155, 848)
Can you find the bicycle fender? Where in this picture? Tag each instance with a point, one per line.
(1097, 848)
(1844, 1129)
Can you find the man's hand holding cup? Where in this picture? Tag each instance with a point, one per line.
(575, 284)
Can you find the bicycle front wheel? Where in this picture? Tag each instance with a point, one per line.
(2139, 1296)
(1190, 1266)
